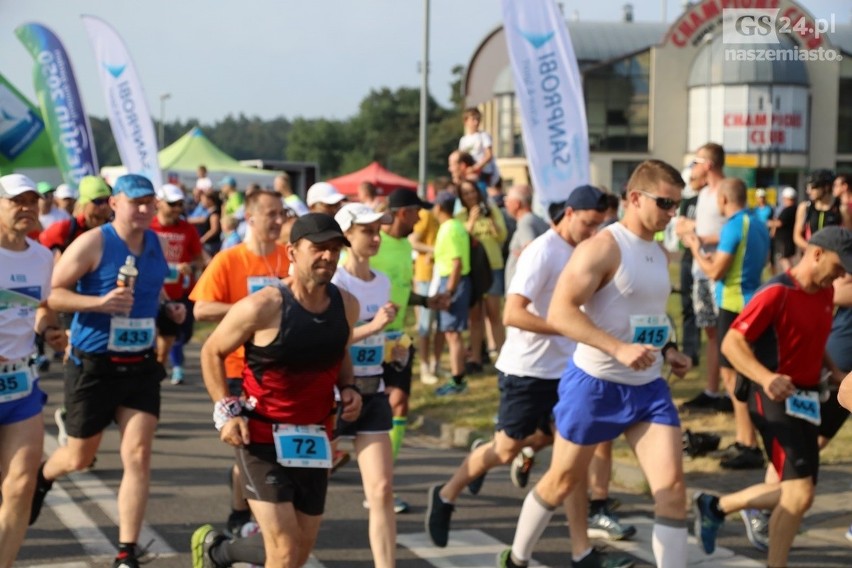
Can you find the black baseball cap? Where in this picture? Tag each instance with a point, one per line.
(585, 197)
(836, 239)
(402, 197)
(317, 228)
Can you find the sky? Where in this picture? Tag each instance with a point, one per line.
(291, 58)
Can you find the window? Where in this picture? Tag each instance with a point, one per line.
(844, 117)
(617, 104)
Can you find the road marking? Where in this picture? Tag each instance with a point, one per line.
(99, 494)
(640, 547)
(466, 549)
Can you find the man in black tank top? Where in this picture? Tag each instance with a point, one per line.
(296, 339)
(822, 208)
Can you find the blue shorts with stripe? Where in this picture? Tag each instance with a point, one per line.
(24, 408)
(592, 410)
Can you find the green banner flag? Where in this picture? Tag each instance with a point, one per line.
(23, 139)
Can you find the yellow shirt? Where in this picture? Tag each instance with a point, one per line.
(482, 231)
(427, 229)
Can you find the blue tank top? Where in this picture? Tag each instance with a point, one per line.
(90, 331)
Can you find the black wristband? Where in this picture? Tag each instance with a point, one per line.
(667, 346)
(351, 387)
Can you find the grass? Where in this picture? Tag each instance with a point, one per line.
(478, 406)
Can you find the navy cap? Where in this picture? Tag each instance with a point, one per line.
(134, 186)
(836, 239)
(402, 197)
(583, 198)
(317, 228)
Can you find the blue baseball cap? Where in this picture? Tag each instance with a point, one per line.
(584, 197)
(228, 180)
(444, 198)
(134, 186)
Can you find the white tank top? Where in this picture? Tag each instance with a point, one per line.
(367, 354)
(631, 307)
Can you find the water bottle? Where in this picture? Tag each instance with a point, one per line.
(127, 274)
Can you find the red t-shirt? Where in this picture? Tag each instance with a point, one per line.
(56, 235)
(788, 328)
(182, 245)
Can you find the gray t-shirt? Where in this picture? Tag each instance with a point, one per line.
(530, 227)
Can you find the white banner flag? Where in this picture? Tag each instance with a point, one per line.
(128, 111)
(550, 95)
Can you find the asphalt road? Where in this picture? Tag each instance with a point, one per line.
(77, 528)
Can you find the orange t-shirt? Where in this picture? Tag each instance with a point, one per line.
(231, 276)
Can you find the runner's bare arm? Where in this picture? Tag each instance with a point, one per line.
(844, 395)
(210, 311)
(349, 398)
(515, 313)
(47, 325)
(736, 349)
(80, 258)
(843, 291)
(799, 226)
(256, 312)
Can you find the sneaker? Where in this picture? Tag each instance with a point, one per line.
(451, 387)
(203, 539)
(475, 485)
(340, 459)
(612, 503)
(701, 403)
(177, 375)
(42, 362)
(128, 561)
(757, 528)
(62, 434)
(606, 525)
(724, 404)
(42, 487)
(597, 559)
(504, 560)
(438, 516)
(707, 524)
(743, 457)
(427, 377)
(519, 471)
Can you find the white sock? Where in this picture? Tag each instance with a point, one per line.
(712, 394)
(668, 541)
(534, 518)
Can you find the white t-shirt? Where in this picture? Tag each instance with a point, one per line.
(525, 353)
(56, 214)
(708, 222)
(24, 284)
(367, 354)
(475, 145)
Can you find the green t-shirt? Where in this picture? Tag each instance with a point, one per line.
(394, 259)
(452, 242)
(234, 201)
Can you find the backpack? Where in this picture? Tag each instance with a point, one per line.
(480, 271)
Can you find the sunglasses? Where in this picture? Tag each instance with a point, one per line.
(663, 203)
(100, 201)
(176, 204)
(696, 161)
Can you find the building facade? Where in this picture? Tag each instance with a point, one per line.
(655, 90)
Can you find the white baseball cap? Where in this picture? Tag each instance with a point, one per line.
(171, 193)
(359, 214)
(64, 191)
(760, 192)
(789, 193)
(13, 185)
(324, 192)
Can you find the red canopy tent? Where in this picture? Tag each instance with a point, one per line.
(384, 180)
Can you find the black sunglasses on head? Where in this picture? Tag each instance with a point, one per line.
(663, 203)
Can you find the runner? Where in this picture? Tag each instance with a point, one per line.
(184, 254)
(772, 343)
(362, 226)
(296, 337)
(821, 209)
(93, 211)
(529, 365)
(25, 269)
(232, 275)
(612, 386)
(112, 373)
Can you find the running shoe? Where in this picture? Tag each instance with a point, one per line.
(42, 487)
(504, 560)
(62, 434)
(203, 539)
(519, 471)
(177, 375)
(438, 516)
(451, 387)
(742, 457)
(475, 486)
(128, 561)
(427, 377)
(707, 523)
(604, 524)
(42, 362)
(757, 528)
(236, 521)
(701, 403)
(340, 459)
(597, 559)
